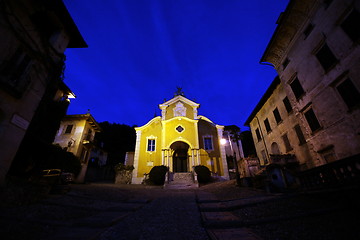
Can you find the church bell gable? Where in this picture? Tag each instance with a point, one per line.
(179, 106)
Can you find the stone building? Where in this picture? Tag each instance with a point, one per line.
(179, 139)
(315, 51)
(34, 37)
(76, 134)
(276, 129)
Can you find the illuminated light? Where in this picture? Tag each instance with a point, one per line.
(71, 95)
(223, 141)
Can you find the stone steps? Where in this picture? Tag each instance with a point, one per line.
(181, 180)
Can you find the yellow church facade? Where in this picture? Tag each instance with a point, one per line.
(180, 139)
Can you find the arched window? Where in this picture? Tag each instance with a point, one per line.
(275, 148)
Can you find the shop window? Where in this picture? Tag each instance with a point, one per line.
(297, 88)
(326, 57)
(312, 120)
(349, 93)
(351, 25)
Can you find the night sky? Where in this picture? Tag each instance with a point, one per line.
(141, 50)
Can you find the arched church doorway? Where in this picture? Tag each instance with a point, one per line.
(180, 156)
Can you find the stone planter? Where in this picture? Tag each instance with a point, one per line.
(123, 177)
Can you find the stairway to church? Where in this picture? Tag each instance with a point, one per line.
(181, 180)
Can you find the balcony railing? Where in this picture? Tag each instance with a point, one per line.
(345, 172)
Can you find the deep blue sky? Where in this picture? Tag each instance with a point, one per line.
(140, 50)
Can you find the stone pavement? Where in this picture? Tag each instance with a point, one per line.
(216, 211)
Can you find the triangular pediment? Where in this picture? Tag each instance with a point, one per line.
(179, 106)
(177, 99)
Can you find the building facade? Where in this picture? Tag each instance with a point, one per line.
(276, 129)
(315, 51)
(179, 139)
(34, 36)
(76, 134)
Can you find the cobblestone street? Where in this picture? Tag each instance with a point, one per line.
(215, 211)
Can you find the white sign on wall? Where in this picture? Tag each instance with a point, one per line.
(20, 122)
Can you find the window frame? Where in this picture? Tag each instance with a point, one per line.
(286, 142)
(344, 21)
(314, 122)
(258, 135)
(308, 30)
(354, 91)
(151, 144)
(297, 88)
(300, 134)
(277, 116)
(287, 104)
(206, 144)
(267, 125)
(67, 128)
(14, 71)
(323, 54)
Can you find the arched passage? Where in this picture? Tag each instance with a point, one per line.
(180, 156)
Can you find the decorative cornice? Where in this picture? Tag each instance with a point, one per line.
(148, 123)
(289, 23)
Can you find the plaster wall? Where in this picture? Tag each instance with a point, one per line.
(340, 126)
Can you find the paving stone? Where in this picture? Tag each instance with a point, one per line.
(232, 234)
(219, 216)
(203, 197)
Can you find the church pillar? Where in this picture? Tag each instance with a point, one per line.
(170, 160)
(192, 157)
(163, 157)
(198, 156)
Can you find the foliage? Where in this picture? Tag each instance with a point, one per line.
(121, 167)
(53, 156)
(157, 175)
(118, 139)
(203, 174)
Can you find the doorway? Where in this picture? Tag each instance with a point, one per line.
(180, 156)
